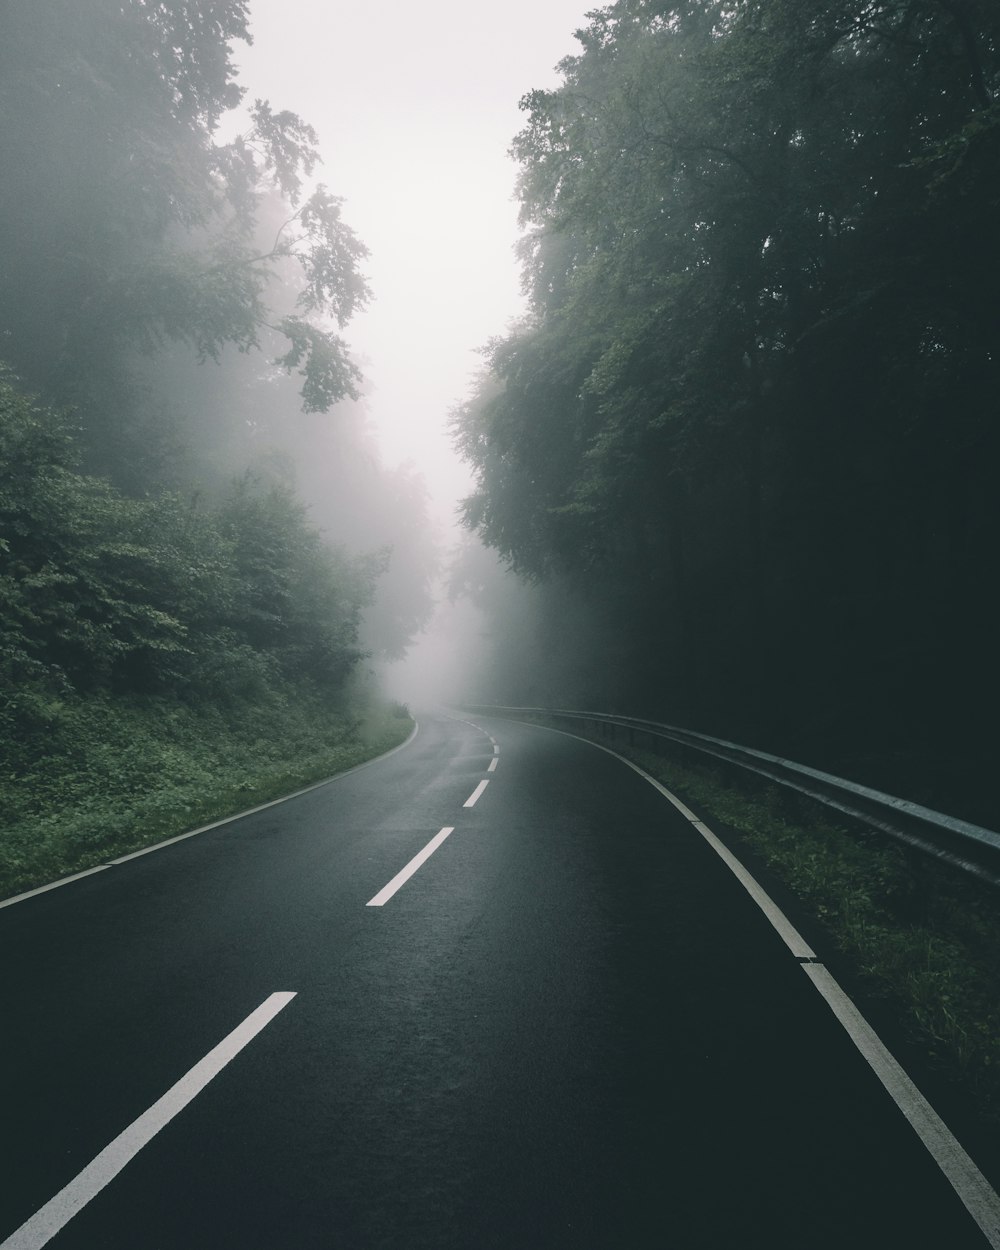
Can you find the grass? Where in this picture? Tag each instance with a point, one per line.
(920, 937)
(111, 776)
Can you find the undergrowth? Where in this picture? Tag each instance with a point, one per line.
(111, 776)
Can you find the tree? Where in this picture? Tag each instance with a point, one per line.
(124, 223)
(750, 396)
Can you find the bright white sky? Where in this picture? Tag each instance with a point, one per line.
(416, 106)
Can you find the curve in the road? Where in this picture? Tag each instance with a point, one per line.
(975, 1192)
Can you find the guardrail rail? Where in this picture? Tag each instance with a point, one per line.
(966, 846)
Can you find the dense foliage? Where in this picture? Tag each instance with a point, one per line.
(751, 416)
(104, 592)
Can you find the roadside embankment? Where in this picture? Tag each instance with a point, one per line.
(111, 776)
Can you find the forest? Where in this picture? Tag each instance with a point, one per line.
(734, 466)
(742, 449)
(202, 556)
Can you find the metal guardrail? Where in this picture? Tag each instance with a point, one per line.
(966, 846)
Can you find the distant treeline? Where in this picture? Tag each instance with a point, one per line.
(746, 440)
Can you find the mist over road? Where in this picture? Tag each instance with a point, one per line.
(563, 1024)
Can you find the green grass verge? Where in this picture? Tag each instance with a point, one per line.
(920, 937)
(109, 777)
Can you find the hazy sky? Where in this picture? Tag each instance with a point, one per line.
(416, 106)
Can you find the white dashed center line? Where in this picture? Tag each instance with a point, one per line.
(45, 1223)
(474, 796)
(406, 873)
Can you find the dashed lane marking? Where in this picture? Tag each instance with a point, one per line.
(473, 798)
(56, 1213)
(406, 873)
(473, 725)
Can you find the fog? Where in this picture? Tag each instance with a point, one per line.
(415, 113)
(115, 304)
(416, 108)
(722, 410)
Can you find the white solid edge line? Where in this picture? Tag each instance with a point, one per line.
(226, 820)
(53, 885)
(493, 764)
(47, 1221)
(406, 873)
(788, 933)
(972, 1188)
(261, 807)
(473, 798)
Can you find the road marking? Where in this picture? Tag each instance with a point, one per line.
(406, 873)
(493, 764)
(227, 820)
(472, 723)
(46, 1222)
(972, 1188)
(473, 798)
(976, 1193)
(792, 938)
(53, 885)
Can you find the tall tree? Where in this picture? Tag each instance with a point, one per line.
(752, 387)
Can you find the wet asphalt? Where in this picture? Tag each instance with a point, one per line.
(570, 1028)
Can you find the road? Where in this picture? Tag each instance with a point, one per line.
(571, 1026)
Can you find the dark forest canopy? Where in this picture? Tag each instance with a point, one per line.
(751, 417)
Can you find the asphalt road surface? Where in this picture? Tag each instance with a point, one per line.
(569, 1027)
